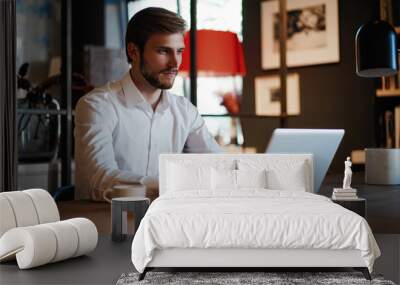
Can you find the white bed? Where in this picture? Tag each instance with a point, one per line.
(202, 220)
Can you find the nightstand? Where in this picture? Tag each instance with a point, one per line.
(358, 206)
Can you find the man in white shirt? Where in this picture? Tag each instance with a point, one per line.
(122, 127)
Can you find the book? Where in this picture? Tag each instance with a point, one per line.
(345, 194)
(381, 132)
(355, 198)
(335, 197)
(389, 129)
(344, 191)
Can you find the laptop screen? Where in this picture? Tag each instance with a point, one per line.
(322, 143)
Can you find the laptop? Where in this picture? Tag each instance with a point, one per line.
(322, 143)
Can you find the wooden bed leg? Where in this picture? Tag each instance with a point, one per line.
(143, 274)
(364, 271)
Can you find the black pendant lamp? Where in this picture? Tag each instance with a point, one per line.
(376, 50)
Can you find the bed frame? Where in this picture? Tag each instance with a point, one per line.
(256, 258)
(250, 258)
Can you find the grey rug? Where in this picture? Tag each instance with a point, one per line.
(270, 278)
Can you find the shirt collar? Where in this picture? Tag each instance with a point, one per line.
(131, 92)
(134, 97)
(164, 102)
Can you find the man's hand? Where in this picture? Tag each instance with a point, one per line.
(150, 182)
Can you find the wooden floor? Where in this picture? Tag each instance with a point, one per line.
(110, 259)
(102, 266)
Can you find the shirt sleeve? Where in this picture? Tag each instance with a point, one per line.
(96, 167)
(199, 139)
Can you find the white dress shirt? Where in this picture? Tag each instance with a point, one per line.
(118, 136)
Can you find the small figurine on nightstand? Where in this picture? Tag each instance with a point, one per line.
(347, 174)
(345, 193)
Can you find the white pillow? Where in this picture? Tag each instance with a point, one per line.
(235, 179)
(223, 179)
(281, 174)
(251, 178)
(293, 179)
(182, 177)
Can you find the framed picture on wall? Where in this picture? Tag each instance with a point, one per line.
(312, 33)
(268, 92)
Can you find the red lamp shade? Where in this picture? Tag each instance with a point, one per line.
(219, 53)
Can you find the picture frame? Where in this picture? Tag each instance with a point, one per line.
(313, 33)
(267, 92)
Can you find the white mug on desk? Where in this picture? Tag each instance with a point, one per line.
(124, 190)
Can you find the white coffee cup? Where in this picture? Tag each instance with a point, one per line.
(124, 190)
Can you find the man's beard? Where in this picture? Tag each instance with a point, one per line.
(152, 77)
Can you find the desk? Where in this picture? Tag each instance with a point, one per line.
(98, 212)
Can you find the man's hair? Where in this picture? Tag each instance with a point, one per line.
(150, 21)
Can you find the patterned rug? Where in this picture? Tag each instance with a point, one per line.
(243, 278)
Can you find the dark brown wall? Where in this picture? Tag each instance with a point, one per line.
(332, 96)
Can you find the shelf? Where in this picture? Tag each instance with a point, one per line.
(388, 93)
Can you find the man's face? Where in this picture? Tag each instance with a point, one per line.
(161, 58)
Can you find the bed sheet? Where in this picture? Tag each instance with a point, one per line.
(250, 218)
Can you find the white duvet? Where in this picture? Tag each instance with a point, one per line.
(252, 218)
